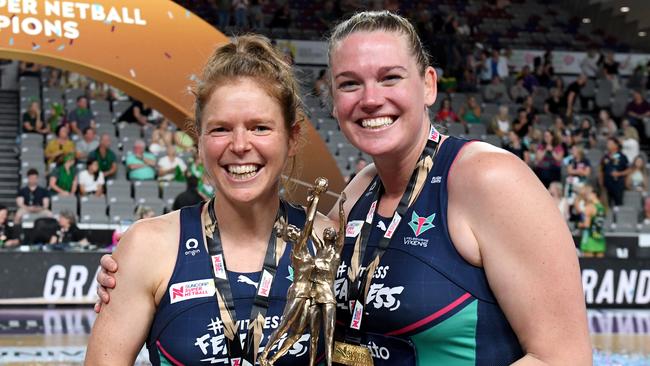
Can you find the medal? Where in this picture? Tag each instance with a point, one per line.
(350, 354)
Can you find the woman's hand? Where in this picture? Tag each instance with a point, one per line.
(105, 280)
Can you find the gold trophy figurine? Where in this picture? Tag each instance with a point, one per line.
(310, 298)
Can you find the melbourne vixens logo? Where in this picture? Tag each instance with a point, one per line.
(421, 224)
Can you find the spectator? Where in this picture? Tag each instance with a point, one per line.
(81, 117)
(495, 92)
(610, 69)
(191, 195)
(87, 144)
(530, 109)
(553, 104)
(241, 13)
(607, 125)
(281, 17)
(530, 81)
(32, 122)
(141, 164)
(32, 199)
(63, 179)
(637, 179)
(223, 13)
(630, 143)
(556, 191)
(91, 180)
(29, 69)
(54, 78)
(482, 69)
(636, 111)
(578, 166)
(589, 64)
(445, 113)
(138, 112)
(161, 138)
(578, 171)
(321, 88)
(8, 234)
(360, 164)
(585, 135)
(613, 170)
(501, 123)
(171, 167)
(327, 16)
(573, 93)
(516, 147)
(59, 146)
(68, 231)
(548, 159)
(471, 113)
(522, 125)
(55, 118)
(517, 92)
(257, 14)
(183, 141)
(592, 215)
(105, 157)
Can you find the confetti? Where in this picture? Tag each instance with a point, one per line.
(132, 72)
(51, 40)
(61, 47)
(71, 42)
(112, 29)
(187, 13)
(168, 55)
(35, 47)
(11, 41)
(193, 77)
(170, 15)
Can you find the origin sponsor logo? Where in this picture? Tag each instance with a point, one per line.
(191, 290)
(436, 180)
(192, 247)
(417, 242)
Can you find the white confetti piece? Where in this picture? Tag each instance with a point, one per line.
(11, 41)
(193, 77)
(170, 15)
(132, 72)
(187, 13)
(35, 48)
(61, 47)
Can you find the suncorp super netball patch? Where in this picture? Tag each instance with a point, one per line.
(191, 290)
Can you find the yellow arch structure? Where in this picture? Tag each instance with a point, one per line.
(152, 50)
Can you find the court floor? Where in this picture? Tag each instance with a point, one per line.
(55, 336)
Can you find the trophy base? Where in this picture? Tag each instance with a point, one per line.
(350, 354)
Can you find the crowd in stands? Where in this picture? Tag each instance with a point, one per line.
(575, 139)
(136, 144)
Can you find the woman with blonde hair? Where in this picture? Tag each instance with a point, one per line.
(637, 179)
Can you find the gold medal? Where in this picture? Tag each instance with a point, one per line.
(350, 354)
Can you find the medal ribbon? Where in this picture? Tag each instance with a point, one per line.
(360, 282)
(247, 353)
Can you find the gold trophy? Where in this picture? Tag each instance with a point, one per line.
(310, 298)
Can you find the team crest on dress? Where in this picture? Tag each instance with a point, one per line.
(421, 224)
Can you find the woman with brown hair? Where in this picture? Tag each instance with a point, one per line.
(216, 300)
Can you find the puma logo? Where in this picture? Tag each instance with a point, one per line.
(381, 226)
(246, 280)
